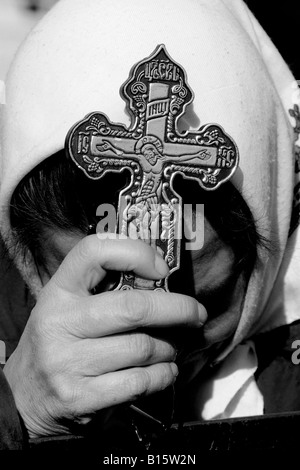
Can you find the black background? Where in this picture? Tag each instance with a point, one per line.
(281, 20)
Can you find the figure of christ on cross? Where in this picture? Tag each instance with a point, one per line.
(148, 201)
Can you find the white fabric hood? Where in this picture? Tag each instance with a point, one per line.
(78, 56)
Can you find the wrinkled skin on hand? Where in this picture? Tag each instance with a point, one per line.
(81, 353)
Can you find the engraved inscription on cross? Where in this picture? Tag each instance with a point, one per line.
(157, 95)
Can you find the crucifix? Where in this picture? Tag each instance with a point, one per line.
(157, 95)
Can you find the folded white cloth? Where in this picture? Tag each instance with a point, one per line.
(233, 392)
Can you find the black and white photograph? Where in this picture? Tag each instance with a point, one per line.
(149, 229)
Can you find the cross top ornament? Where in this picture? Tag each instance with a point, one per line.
(157, 95)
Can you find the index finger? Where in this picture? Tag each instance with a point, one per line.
(86, 264)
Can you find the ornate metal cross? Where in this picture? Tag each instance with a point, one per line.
(157, 95)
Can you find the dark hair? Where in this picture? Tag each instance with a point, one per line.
(57, 195)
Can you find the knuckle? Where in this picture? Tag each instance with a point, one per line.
(65, 393)
(49, 323)
(134, 306)
(143, 346)
(137, 383)
(44, 324)
(49, 365)
(93, 248)
(53, 365)
(85, 248)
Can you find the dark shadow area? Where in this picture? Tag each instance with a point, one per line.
(281, 21)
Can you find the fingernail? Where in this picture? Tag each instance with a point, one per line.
(175, 355)
(160, 266)
(174, 368)
(202, 314)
